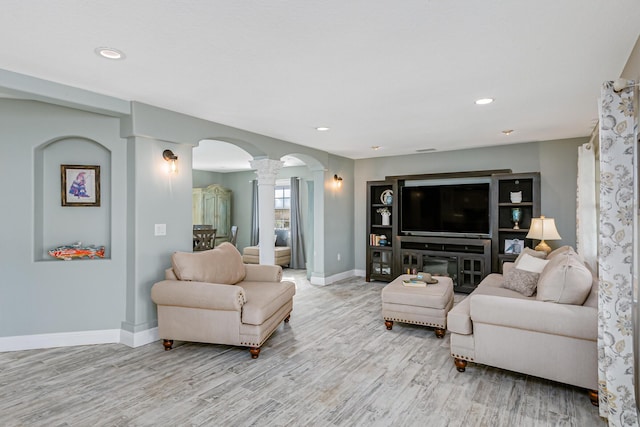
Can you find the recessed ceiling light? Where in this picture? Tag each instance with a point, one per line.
(375, 147)
(484, 101)
(507, 131)
(109, 53)
(322, 129)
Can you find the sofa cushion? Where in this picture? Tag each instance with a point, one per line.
(220, 265)
(524, 276)
(459, 318)
(565, 280)
(530, 252)
(522, 281)
(264, 299)
(559, 251)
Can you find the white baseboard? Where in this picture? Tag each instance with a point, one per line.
(69, 339)
(139, 338)
(323, 281)
(360, 273)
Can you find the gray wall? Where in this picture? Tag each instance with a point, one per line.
(555, 160)
(338, 218)
(203, 178)
(39, 294)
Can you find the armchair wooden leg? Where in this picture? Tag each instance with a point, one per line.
(593, 396)
(168, 344)
(388, 324)
(440, 332)
(461, 365)
(255, 352)
(286, 319)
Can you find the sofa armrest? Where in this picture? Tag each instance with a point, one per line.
(558, 319)
(262, 273)
(209, 296)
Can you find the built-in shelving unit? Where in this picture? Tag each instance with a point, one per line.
(467, 260)
(379, 255)
(527, 185)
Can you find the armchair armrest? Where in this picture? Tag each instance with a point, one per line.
(574, 321)
(262, 273)
(210, 296)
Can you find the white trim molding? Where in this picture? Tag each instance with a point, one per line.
(323, 281)
(70, 339)
(138, 339)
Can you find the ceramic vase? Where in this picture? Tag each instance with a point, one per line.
(516, 216)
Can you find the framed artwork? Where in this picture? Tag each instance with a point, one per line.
(80, 185)
(513, 246)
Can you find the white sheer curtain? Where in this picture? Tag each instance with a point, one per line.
(586, 214)
(618, 140)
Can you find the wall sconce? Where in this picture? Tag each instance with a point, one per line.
(543, 229)
(337, 181)
(172, 161)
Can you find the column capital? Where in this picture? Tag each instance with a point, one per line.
(267, 170)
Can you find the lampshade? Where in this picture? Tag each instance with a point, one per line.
(543, 229)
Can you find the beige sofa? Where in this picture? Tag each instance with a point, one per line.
(549, 334)
(212, 297)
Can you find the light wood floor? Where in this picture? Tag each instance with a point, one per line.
(334, 364)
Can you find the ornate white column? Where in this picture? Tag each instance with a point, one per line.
(267, 171)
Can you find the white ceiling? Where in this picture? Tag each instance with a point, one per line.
(402, 75)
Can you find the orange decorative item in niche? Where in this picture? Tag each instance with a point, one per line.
(76, 250)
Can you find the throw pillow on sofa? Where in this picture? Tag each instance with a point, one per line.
(530, 252)
(565, 280)
(523, 278)
(220, 265)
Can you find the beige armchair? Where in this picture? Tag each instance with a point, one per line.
(212, 297)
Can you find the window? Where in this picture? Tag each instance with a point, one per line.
(282, 206)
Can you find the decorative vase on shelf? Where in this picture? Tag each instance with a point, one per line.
(386, 214)
(387, 197)
(515, 196)
(516, 216)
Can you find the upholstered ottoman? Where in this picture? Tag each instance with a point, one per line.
(251, 255)
(418, 305)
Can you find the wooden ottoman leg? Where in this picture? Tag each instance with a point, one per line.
(168, 344)
(388, 324)
(461, 365)
(593, 396)
(255, 352)
(440, 332)
(286, 319)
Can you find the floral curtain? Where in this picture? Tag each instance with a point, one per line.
(618, 139)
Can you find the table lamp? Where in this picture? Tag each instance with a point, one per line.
(543, 229)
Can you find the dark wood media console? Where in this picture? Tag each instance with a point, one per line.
(466, 259)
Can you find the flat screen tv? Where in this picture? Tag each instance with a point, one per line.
(445, 210)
